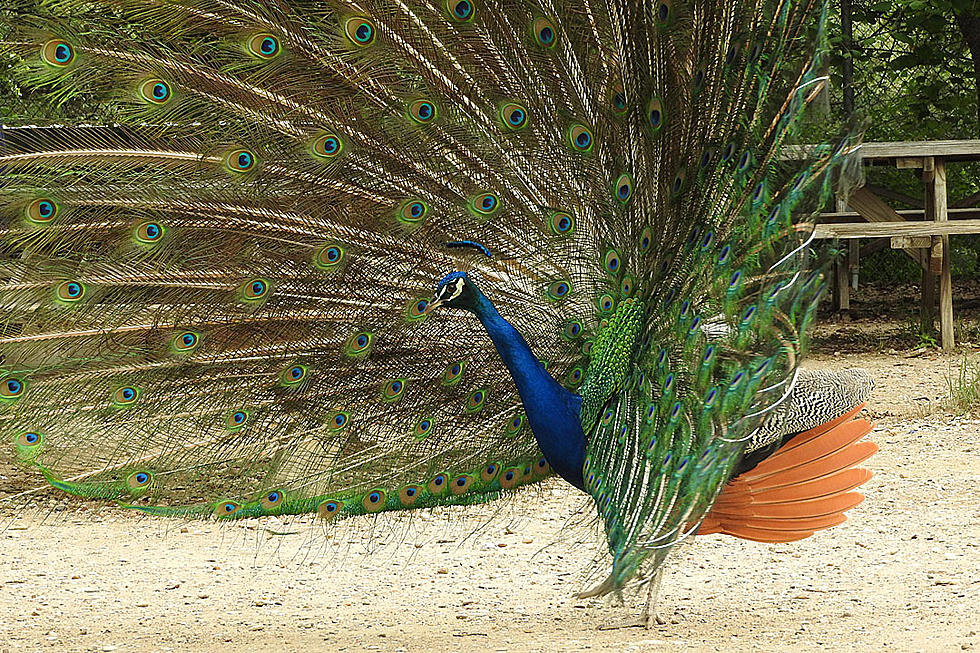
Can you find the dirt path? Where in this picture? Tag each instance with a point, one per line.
(902, 575)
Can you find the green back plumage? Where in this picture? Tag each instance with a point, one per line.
(215, 306)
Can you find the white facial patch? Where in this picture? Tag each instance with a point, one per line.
(457, 291)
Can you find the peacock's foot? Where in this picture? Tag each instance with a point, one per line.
(646, 621)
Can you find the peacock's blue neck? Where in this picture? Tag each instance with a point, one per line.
(552, 411)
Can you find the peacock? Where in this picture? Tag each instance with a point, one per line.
(354, 256)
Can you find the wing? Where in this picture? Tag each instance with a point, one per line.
(213, 303)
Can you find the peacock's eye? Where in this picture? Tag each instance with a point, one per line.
(42, 210)
(293, 374)
(485, 203)
(663, 12)
(413, 211)
(254, 289)
(155, 91)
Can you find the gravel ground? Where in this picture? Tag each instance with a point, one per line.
(903, 574)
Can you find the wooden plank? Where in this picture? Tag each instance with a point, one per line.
(874, 209)
(885, 230)
(959, 150)
(915, 214)
(901, 242)
(904, 162)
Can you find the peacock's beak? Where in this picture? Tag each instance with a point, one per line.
(433, 304)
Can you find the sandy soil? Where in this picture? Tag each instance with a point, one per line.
(903, 574)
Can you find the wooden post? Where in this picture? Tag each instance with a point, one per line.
(934, 176)
(941, 214)
(927, 310)
(854, 260)
(842, 295)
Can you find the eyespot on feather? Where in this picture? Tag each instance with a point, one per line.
(58, 53)
(561, 223)
(374, 501)
(125, 396)
(254, 290)
(237, 420)
(226, 509)
(422, 111)
(359, 344)
(264, 46)
(514, 425)
(655, 114)
(149, 233)
(155, 91)
(240, 161)
(415, 312)
(623, 188)
(412, 211)
(393, 390)
(511, 478)
(559, 289)
(360, 30)
(453, 373)
(580, 138)
(462, 11)
(327, 146)
(488, 473)
(409, 494)
(513, 116)
(544, 32)
(42, 210)
(273, 500)
(338, 420)
(185, 341)
(70, 291)
(12, 388)
(139, 481)
(329, 509)
(461, 484)
(329, 256)
(293, 375)
(476, 400)
(438, 484)
(423, 428)
(486, 203)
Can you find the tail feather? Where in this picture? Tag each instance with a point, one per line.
(804, 487)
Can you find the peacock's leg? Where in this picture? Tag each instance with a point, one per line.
(653, 589)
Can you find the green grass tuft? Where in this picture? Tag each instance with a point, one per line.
(964, 388)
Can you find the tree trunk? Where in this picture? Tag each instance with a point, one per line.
(968, 20)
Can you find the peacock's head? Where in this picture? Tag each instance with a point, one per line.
(455, 290)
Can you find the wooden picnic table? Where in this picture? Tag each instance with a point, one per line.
(926, 239)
